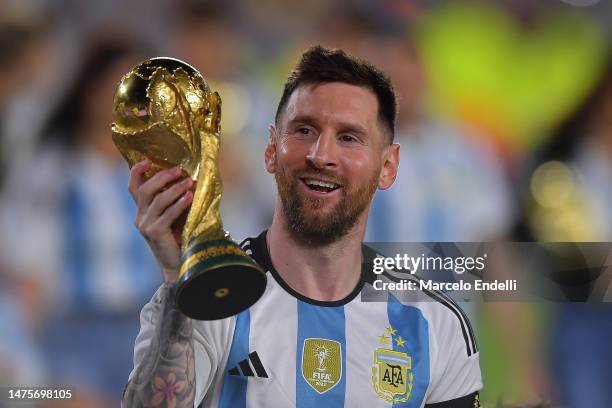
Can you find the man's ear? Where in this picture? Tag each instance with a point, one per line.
(270, 152)
(388, 171)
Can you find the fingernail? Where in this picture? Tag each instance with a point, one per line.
(187, 182)
(187, 196)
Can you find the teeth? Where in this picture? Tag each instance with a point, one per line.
(313, 182)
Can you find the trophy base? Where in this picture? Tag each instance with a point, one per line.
(218, 280)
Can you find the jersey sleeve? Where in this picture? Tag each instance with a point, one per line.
(456, 375)
(210, 343)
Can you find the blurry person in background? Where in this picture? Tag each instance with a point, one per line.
(21, 45)
(34, 62)
(450, 186)
(14, 42)
(66, 216)
(28, 62)
(569, 199)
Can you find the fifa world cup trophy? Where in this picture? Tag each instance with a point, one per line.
(165, 111)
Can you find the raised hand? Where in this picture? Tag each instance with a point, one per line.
(160, 201)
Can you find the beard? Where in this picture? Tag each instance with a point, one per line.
(310, 226)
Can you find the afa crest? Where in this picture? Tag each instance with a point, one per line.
(392, 375)
(322, 364)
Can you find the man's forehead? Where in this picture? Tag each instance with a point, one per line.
(333, 99)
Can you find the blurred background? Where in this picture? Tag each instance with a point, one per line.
(506, 132)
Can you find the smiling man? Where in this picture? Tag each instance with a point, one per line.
(309, 341)
(327, 160)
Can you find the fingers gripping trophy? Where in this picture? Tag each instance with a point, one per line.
(165, 112)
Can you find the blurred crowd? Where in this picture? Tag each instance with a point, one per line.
(505, 128)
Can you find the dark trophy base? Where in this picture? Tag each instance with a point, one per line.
(218, 280)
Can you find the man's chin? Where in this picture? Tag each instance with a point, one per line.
(319, 215)
(314, 237)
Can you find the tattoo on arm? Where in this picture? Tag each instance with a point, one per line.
(166, 376)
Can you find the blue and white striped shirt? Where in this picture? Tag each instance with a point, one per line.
(291, 351)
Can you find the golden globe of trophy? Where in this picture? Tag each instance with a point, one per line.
(165, 112)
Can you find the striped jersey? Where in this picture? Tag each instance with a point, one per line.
(291, 351)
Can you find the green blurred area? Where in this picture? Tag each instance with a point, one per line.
(513, 82)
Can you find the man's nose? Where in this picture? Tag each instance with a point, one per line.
(322, 153)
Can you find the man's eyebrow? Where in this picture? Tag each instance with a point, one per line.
(353, 128)
(305, 119)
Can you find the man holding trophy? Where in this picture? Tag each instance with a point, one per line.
(277, 321)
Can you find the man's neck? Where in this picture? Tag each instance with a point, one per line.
(326, 273)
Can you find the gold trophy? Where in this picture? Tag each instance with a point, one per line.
(165, 112)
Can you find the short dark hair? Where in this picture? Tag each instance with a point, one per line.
(323, 65)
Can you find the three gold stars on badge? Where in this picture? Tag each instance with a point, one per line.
(393, 336)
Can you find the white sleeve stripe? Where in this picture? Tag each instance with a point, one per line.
(470, 344)
(451, 301)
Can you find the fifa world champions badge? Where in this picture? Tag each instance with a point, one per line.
(392, 375)
(322, 364)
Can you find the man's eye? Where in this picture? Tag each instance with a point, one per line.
(304, 131)
(347, 138)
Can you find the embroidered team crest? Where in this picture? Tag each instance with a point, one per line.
(392, 374)
(322, 364)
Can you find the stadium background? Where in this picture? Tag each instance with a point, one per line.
(501, 139)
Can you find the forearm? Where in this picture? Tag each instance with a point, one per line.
(166, 376)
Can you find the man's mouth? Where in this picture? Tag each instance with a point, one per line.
(321, 186)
